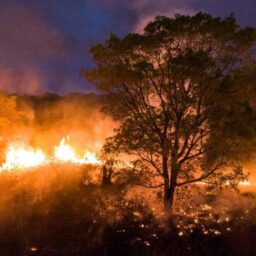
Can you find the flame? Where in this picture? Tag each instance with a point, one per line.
(65, 153)
(90, 158)
(22, 157)
(19, 156)
(245, 183)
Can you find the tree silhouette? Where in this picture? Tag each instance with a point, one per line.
(166, 87)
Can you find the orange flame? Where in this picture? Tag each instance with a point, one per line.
(65, 153)
(20, 156)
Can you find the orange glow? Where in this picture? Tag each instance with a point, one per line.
(245, 183)
(20, 156)
(66, 153)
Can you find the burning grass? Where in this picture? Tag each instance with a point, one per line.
(52, 201)
(61, 209)
(21, 156)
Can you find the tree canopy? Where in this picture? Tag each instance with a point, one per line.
(173, 87)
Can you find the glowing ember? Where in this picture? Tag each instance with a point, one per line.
(244, 183)
(33, 249)
(21, 157)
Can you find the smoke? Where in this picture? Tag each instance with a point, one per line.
(25, 81)
(49, 118)
(26, 35)
(52, 196)
(33, 51)
(145, 19)
(147, 10)
(44, 44)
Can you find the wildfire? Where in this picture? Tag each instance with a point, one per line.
(65, 153)
(245, 183)
(20, 156)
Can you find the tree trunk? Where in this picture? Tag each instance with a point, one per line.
(169, 190)
(168, 199)
(106, 176)
(170, 187)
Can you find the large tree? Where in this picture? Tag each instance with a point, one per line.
(168, 85)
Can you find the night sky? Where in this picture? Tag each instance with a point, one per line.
(45, 43)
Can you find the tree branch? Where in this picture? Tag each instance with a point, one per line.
(202, 177)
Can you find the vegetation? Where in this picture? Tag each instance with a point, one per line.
(60, 211)
(168, 86)
(182, 95)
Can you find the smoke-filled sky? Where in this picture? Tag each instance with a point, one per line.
(45, 43)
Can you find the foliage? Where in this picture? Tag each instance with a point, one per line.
(51, 211)
(169, 87)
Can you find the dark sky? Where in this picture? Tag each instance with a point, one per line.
(45, 43)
